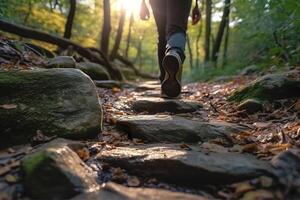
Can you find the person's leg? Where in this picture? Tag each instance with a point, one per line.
(177, 18)
(159, 12)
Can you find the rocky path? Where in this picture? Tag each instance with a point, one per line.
(187, 144)
(216, 142)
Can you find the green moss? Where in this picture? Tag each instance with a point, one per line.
(251, 92)
(32, 162)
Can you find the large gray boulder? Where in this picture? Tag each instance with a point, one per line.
(270, 87)
(93, 70)
(60, 102)
(171, 163)
(56, 172)
(159, 128)
(113, 191)
(158, 105)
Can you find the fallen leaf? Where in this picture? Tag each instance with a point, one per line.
(241, 188)
(258, 195)
(8, 106)
(185, 147)
(83, 153)
(115, 90)
(297, 105)
(4, 170)
(11, 178)
(133, 181)
(250, 148)
(265, 181)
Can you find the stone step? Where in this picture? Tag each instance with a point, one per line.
(171, 163)
(158, 105)
(149, 85)
(166, 128)
(113, 191)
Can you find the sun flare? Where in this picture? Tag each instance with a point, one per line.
(129, 5)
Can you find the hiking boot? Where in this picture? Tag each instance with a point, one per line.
(172, 64)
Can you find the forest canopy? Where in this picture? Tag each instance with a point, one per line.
(264, 32)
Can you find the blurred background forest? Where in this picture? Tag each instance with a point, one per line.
(264, 33)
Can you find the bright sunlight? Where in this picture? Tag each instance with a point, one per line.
(129, 5)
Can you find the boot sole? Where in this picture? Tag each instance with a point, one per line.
(171, 86)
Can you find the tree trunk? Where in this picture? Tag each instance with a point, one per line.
(116, 46)
(26, 18)
(70, 20)
(226, 42)
(61, 42)
(207, 29)
(106, 28)
(198, 39)
(190, 51)
(129, 35)
(217, 45)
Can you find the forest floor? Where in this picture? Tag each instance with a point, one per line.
(146, 143)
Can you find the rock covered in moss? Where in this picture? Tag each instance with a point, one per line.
(59, 102)
(271, 87)
(56, 172)
(93, 70)
(61, 62)
(251, 106)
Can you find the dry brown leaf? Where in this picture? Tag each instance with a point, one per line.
(4, 170)
(112, 120)
(8, 106)
(83, 153)
(275, 149)
(133, 181)
(115, 90)
(297, 105)
(11, 178)
(265, 181)
(185, 147)
(250, 148)
(258, 195)
(241, 188)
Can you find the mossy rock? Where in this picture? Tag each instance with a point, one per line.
(60, 102)
(56, 172)
(251, 106)
(270, 87)
(93, 70)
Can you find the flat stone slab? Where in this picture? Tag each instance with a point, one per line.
(166, 128)
(114, 191)
(171, 163)
(158, 105)
(150, 85)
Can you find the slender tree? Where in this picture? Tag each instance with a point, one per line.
(226, 42)
(116, 46)
(131, 21)
(198, 38)
(221, 30)
(70, 20)
(207, 29)
(190, 52)
(106, 28)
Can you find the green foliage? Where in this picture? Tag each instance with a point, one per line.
(262, 32)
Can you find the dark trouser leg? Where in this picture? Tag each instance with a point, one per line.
(160, 15)
(177, 18)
